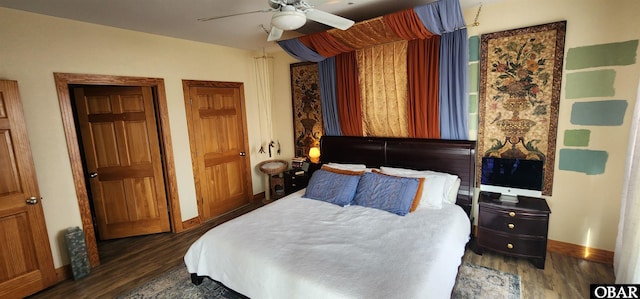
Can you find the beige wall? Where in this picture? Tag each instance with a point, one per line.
(585, 208)
(33, 47)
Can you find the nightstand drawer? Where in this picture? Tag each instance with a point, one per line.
(297, 181)
(525, 224)
(514, 245)
(293, 182)
(507, 211)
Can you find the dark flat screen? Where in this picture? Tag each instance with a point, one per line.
(514, 173)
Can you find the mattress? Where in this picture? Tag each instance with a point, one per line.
(297, 247)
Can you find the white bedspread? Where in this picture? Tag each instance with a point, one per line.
(303, 248)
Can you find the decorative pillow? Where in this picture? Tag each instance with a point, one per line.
(332, 187)
(328, 167)
(419, 194)
(450, 179)
(389, 193)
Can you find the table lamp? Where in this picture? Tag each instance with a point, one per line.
(314, 154)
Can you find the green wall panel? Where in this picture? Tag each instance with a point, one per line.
(473, 103)
(474, 48)
(590, 84)
(474, 80)
(577, 137)
(473, 122)
(585, 161)
(623, 53)
(599, 113)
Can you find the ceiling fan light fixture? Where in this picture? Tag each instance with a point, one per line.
(288, 20)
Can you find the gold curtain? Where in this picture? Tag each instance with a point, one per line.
(383, 87)
(365, 34)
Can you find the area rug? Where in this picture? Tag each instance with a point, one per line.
(473, 282)
(481, 282)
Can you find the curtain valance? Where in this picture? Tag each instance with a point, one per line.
(442, 16)
(402, 74)
(299, 51)
(325, 44)
(420, 22)
(407, 25)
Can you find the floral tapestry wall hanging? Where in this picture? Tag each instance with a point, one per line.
(307, 108)
(521, 73)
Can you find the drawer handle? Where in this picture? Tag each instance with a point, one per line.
(509, 245)
(512, 214)
(511, 225)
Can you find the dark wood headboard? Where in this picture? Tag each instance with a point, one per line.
(451, 156)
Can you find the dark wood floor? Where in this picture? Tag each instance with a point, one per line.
(562, 277)
(126, 263)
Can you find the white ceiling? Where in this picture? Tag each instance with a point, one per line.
(178, 18)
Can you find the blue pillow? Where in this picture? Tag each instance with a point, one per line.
(335, 188)
(389, 193)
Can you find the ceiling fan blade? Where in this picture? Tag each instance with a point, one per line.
(236, 14)
(276, 4)
(328, 19)
(275, 34)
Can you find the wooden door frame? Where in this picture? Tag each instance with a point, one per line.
(186, 86)
(63, 80)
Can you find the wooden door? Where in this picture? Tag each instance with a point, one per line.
(26, 264)
(122, 152)
(217, 131)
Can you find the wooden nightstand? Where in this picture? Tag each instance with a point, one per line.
(515, 229)
(293, 182)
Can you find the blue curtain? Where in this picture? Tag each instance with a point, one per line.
(444, 17)
(327, 70)
(454, 108)
(299, 51)
(441, 16)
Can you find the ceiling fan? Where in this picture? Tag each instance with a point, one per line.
(293, 14)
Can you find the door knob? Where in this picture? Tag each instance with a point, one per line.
(243, 154)
(93, 175)
(32, 200)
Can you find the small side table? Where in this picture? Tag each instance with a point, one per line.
(515, 229)
(294, 182)
(272, 170)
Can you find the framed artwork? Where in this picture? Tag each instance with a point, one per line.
(521, 73)
(307, 108)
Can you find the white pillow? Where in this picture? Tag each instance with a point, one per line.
(449, 187)
(453, 193)
(353, 167)
(394, 170)
(432, 189)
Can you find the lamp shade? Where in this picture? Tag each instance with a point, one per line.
(314, 154)
(288, 19)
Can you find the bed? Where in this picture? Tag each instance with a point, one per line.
(298, 247)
